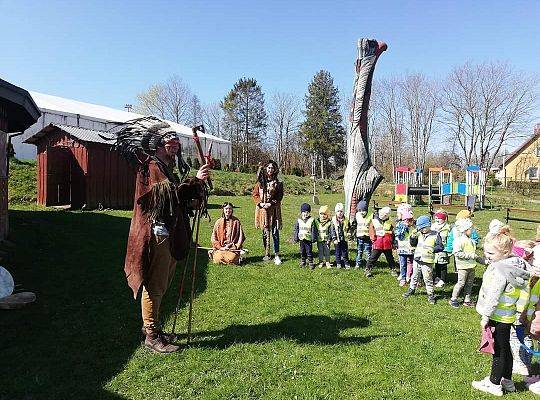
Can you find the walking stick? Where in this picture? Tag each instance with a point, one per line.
(190, 318)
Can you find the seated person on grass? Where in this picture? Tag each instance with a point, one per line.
(227, 238)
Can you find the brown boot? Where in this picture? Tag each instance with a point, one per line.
(169, 337)
(158, 344)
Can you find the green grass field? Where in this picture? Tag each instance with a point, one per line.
(261, 331)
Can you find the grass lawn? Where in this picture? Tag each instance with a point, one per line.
(261, 331)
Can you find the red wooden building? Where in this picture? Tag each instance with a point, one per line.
(77, 167)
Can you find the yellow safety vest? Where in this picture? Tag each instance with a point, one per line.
(534, 296)
(322, 229)
(304, 229)
(424, 249)
(362, 224)
(381, 229)
(467, 246)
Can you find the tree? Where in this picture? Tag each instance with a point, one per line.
(284, 122)
(485, 106)
(245, 118)
(212, 118)
(195, 111)
(170, 100)
(322, 131)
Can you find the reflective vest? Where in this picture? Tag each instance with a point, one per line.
(506, 307)
(323, 229)
(534, 296)
(466, 245)
(404, 246)
(425, 247)
(382, 229)
(341, 228)
(362, 224)
(304, 229)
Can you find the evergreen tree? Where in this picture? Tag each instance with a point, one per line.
(322, 132)
(245, 119)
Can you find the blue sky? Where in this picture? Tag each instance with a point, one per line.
(105, 52)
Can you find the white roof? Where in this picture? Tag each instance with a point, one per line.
(107, 114)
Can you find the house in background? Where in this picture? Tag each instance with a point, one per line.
(523, 165)
(17, 112)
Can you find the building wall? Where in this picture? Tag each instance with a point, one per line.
(517, 169)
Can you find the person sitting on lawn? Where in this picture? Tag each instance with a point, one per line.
(381, 232)
(504, 279)
(441, 226)
(339, 234)
(267, 195)
(305, 233)
(322, 224)
(427, 243)
(227, 238)
(360, 225)
(465, 259)
(404, 228)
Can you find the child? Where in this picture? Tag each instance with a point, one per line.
(339, 233)
(465, 259)
(441, 226)
(427, 244)
(381, 232)
(502, 283)
(361, 223)
(305, 233)
(453, 234)
(322, 225)
(405, 251)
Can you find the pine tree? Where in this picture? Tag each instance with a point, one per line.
(245, 118)
(322, 132)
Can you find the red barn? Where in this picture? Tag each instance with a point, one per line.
(77, 167)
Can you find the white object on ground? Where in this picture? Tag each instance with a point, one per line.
(486, 386)
(6, 283)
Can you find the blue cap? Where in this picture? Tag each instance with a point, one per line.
(305, 207)
(423, 222)
(362, 205)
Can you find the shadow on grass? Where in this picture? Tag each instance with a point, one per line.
(303, 329)
(85, 324)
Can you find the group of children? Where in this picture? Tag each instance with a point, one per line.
(508, 300)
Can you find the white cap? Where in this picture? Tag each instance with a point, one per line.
(384, 212)
(495, 226)
(463, 224)
(338, 207)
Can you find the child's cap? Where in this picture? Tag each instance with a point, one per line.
(495, 226)
(338, 207)
(384, 212)
(362, 206)
(323, 210)
(406, 214)
(463, 214)
(441, 214)
(423, 222)
(463, 224)
(305, 207)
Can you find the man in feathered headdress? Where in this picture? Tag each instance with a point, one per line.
(160, 232)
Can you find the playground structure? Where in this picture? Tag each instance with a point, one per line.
(440, 186)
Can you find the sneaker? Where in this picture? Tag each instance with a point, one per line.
(454, 303)
(393, 272)
(508, 385)
(311, 266)
(328, 265)
(266, 258)
(436, 281)
(439, 284)
(347, 266)
(338, 266)
(357, 266)
(321, 264)
(158, 344)
(402, 282)
(277, 260)
(486, 386)
(469, 303)
(302, 264)
(367, 273)
(535, 387)
(408, 293)
(529, 380)
(431, 299)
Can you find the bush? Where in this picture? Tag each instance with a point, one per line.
(297, 171)
(217, 164)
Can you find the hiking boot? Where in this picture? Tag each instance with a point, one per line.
(328, 265)
(486, 386)
(508, 385)
(170, 337)
(367, 273)
(431, 299)
(454, 303)
(158, 344)
(408, 293)
(266, 258)
(277, 260)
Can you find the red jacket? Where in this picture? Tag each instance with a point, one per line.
(381, 234)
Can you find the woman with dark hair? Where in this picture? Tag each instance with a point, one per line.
(227, 237)
(267, 195)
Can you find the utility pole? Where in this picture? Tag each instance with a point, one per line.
(128, 107)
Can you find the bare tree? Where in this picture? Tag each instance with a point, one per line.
(285, 115)
(212, 118)
(485, 106)
(170, 100)
(195, 112)
(421, 104)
